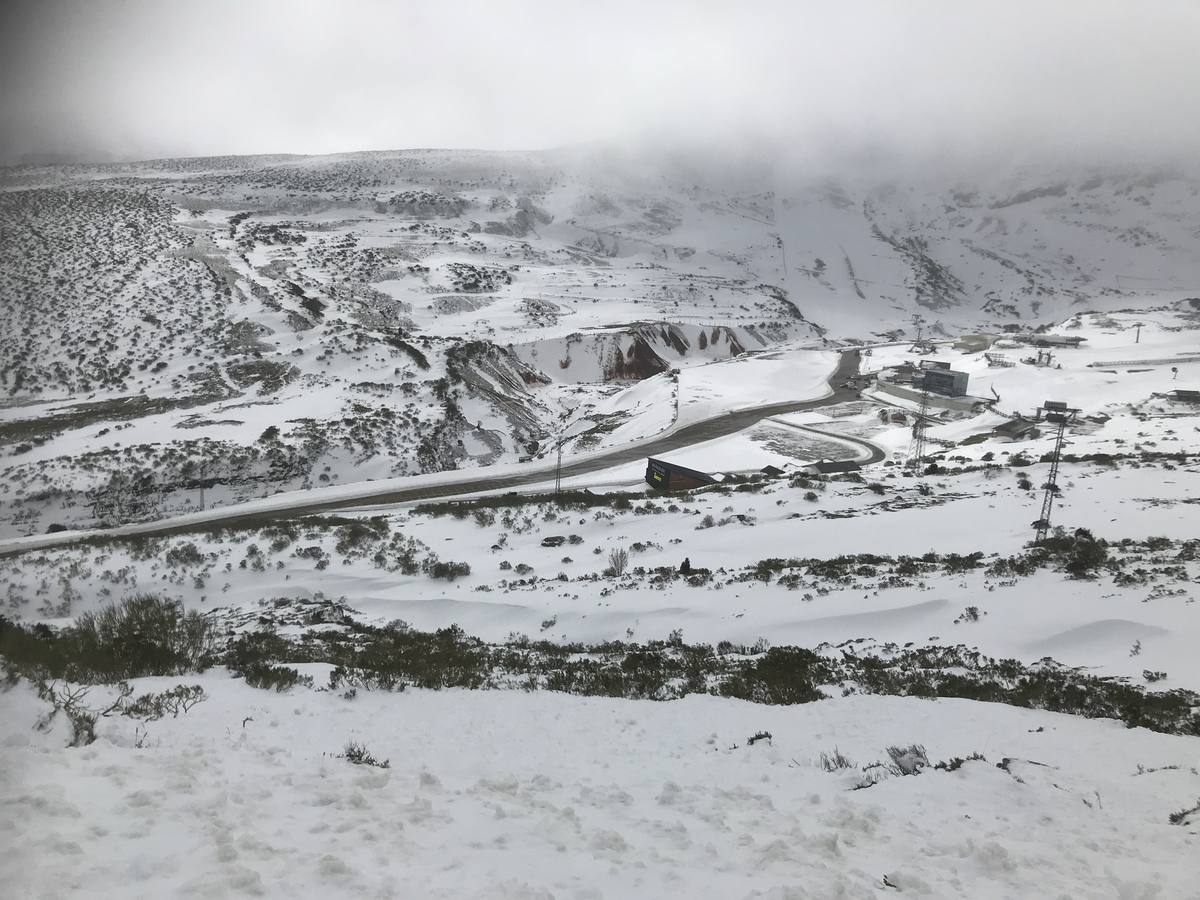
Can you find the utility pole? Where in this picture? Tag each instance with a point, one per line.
(1058, 414)
(1138, 335)
(558, 469)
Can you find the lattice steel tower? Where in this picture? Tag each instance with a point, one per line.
(1059, 415)
(916, 445)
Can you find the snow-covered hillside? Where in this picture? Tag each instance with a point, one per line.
(390, 657)
(544, 795)
(214, 330)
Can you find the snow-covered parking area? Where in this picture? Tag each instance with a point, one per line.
(509, 794)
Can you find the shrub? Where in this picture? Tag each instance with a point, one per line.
(435, 568)
(782, 675)
(70, 701)
(908, 760)
(82, 718)
(143, 635)
(831, 762)
(273, 677)
(146, 635)
(359, 755)
(956, 762)
(184, 555)
(1080, 553)
(256, 647)
(343, 676)
(1182, 816)
(618, 562)
(179, 699)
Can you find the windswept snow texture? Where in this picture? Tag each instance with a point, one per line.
(544, 795)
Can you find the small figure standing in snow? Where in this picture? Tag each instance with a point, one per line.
(685, 568)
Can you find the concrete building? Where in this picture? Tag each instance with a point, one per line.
(945, 381)
(974, 343)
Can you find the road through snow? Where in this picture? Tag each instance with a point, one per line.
(310, 503)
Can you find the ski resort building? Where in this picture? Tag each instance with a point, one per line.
(831, 467)
(974, 343)
(1016, 430)
(666, 476)
(945, 381)
(1050, 340)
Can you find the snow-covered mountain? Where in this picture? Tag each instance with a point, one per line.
(242, 325)
(790, 682)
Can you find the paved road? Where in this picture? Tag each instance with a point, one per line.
(730, 423)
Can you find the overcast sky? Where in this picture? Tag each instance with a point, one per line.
(141, 78)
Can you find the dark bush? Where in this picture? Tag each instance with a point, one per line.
(273, 677)
(146, 635)
(143, 635)
(783, 675)
(435, 568)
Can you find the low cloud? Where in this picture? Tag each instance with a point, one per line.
(1070, 80)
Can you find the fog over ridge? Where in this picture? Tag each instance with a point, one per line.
(806, 83)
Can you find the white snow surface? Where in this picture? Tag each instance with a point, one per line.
(514, 795)
(541, 795)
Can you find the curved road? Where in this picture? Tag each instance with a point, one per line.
(696, 433)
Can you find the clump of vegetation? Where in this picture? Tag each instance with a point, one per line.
(908, 760)
(273, 677)
(359, 755)
(70, 700)
(142, 635)
(618, 562)
(448, 570)
(956, 762)
(1079, 553)
(831, 762)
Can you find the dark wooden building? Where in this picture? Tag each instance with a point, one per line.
(1183, 395)
(831, 467)
(666, 476)
(1017, 429)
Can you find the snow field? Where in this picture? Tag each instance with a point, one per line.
(1086, 623)
(505, 794)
